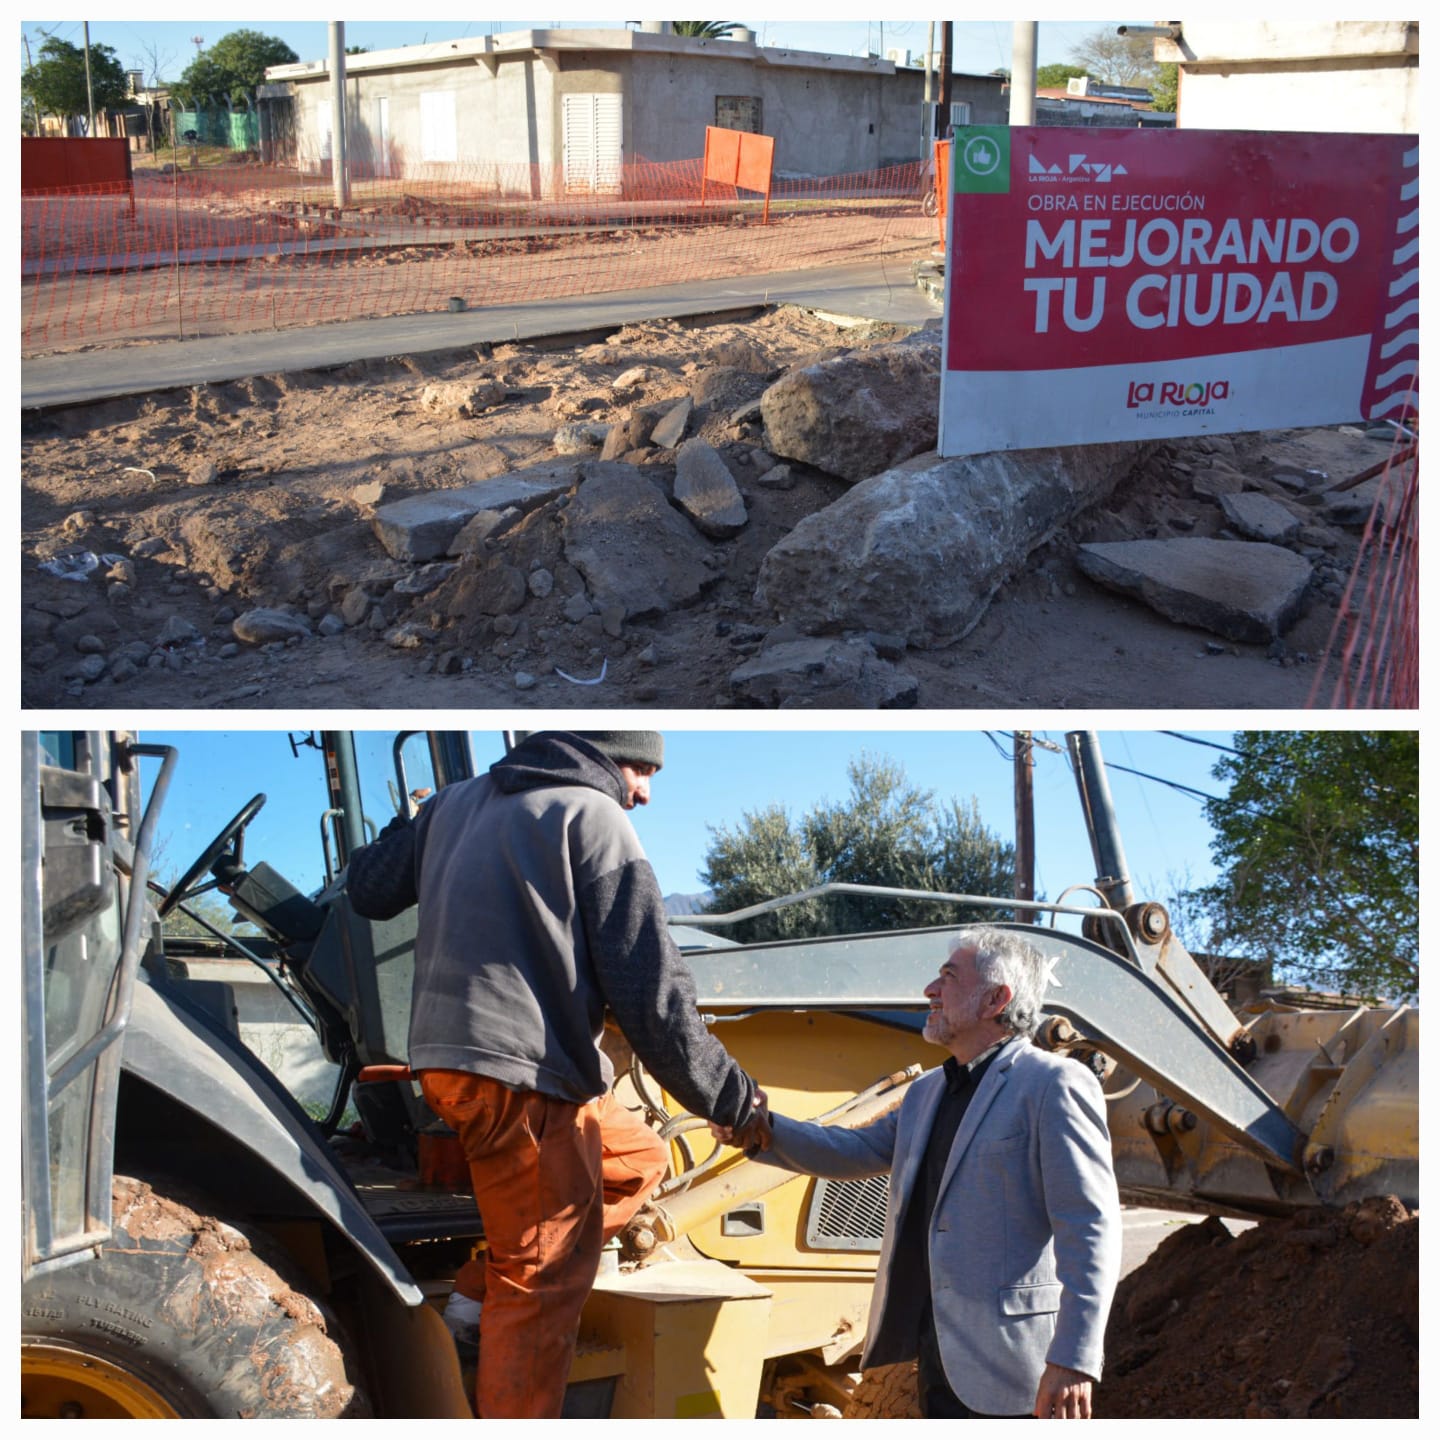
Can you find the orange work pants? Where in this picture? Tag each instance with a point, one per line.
(553, 1181)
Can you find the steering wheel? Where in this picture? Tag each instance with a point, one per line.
(186, 885)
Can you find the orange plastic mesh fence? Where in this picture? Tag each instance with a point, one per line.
(235, 248)
(1376, 635)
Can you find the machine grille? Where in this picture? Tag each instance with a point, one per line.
(847, 1214)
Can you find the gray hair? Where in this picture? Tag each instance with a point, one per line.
(1003, 958)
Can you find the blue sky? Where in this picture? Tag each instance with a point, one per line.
(714, 777)
(980, 45)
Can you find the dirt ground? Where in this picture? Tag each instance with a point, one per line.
(203, 503)
(1309, 1316)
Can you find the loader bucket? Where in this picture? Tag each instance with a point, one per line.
(1348, 1080)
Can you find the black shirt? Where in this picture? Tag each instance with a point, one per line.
(912, 1248)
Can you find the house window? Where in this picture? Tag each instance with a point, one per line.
(437, 125)
(738, 112)
(959, 112)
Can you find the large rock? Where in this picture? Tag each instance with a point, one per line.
(1243, 591)
(823, 674)
(918, 551)
(1260, 517)
(423, 527)
(265, 627)
(468, 397)
(859, 414)
(633, 548)
(707, 491)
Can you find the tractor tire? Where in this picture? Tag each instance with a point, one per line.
(888, 1392)
(179, 1316)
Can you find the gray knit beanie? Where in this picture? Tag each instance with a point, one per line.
(634, 747)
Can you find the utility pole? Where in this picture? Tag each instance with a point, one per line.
(1024, 821)
(340, 171)
(30, 65)
(947, 63)
(89, 93)
(929, 133)
(1022, 72)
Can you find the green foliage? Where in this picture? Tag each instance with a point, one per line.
(1116, 59)
(1054, 76)
(1165, 88)
(211, 906)
(1318, 846)
(56, 81)
(705, 29)
(886, 832)
(231, 69)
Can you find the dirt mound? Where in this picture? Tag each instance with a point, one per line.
(1312, 1315)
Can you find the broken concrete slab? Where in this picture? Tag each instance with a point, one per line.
(633, 548)
(423, 527)
(707, 491)
(1241, 590)
(1260, 517)
(1213, 483)
(919, 550)
(859, 414)
(823, 674)
(671, 429)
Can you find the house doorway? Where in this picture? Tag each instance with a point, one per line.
(591, 159)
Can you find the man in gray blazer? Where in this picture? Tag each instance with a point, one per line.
(1002, 1244)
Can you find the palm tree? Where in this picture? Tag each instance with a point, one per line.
(705, 29)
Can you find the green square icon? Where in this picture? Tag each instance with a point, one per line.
(980, 155)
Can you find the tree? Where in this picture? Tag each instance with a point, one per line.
(1317, 842)
(886, 832)
(1165, 88)
(231, 70)
(705, 29)
(1116, 59)
(1054, 77)
(56, 81)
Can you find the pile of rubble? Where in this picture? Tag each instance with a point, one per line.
(1314, 1315)
(800, 508)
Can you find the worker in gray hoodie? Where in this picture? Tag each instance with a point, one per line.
(538, 913)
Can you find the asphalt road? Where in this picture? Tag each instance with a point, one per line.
(871, 290)
(1145, 1229)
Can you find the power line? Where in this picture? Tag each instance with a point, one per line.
(1160, 780)
(1196, 740)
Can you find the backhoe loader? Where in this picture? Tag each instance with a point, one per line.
(196, 1244)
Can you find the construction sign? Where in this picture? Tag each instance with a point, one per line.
(1135, 284)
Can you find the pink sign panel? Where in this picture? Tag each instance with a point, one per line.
(1136, 284)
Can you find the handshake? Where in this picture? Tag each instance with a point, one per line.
(754, 1134)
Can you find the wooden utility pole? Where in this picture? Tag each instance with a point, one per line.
(947, 63)
(1024, 821)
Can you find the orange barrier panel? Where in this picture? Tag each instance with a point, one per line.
(54, 166)
(942, 184)
(230, 248)
(739, 159)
